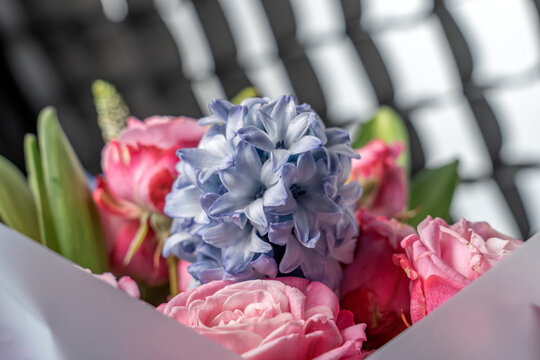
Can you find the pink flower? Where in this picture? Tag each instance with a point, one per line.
(384, 182)
(139, 166)
(442, 259)
(138, 171)
(285, 318)
(126, 284)
(373, 287)
(142, 266)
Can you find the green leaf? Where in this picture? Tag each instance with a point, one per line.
(432, 191)
(74, 214)
(387, 126)
(245, 93)
(37, 187)
(17, 208)
(112, 111)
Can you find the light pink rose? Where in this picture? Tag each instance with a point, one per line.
(125, 283)
(138, 171)
(285, 318)
(442, 259)
(384, 181)
(373, 287)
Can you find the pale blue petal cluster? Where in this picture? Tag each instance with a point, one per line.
(265, 194)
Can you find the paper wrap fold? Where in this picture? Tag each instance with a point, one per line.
(50, 309)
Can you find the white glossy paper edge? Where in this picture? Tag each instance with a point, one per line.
(50, 309)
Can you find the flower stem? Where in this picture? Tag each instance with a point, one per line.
(173, 275)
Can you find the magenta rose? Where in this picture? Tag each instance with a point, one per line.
(285, 318)
(138, 170)
(441, 260)
(384, 181)
(373, 287)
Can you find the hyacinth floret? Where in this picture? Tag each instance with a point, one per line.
(265, 194)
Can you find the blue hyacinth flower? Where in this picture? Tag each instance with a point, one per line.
(284, 134)
(251, 187)
(266, 189)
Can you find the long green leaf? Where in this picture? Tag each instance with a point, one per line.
(387, 126)
(37, 187)
(75, 217)
(432, 191)
(17, 208)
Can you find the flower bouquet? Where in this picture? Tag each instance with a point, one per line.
(256, 227)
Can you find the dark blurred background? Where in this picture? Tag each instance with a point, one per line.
(464, 74)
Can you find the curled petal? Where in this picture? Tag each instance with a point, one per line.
(256, 137)
(306, 143)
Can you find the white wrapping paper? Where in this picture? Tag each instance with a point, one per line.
(49, 309)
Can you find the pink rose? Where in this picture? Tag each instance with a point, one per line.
(373, 287)
(138, 171)
(384, 182)
(442, 259)
(125, 283)
(285, 318)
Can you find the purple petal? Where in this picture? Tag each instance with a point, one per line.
(269, 124)
(265, 265)
(337, 136)
(256, 137)
(237, 257)
(279, 157)
(235, 121)
(221, 109)
(283, 112)
(255, 212)
(220, 235)
(227, 204)
(276, 195)
(305, 227)
(207, 200)
(267, 176)
(280, 233)
(305, 168)
(318, 129)
(298, 128)
(306, 143)
(199, 158)
(248, 161)
(344, 149)
(319, 203)
(351, 192)
(288, 172)
(330, 185)
(237, 182)
(183, 202)
(293, 257)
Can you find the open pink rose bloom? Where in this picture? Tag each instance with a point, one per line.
(138, 170)
(443, 259)
(285, 318)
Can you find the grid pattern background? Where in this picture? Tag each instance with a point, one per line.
(464, 74)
